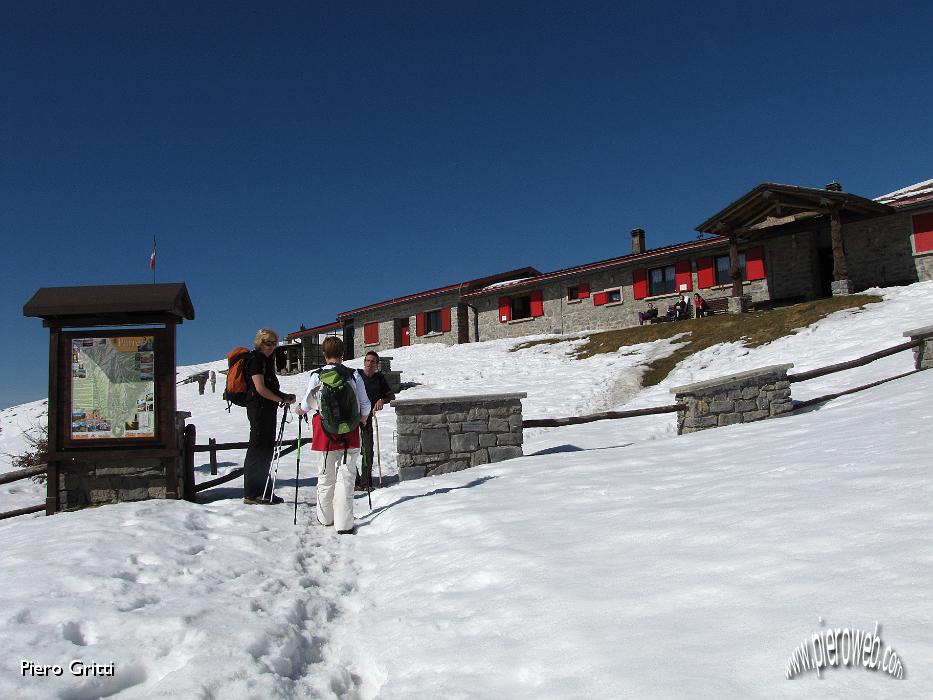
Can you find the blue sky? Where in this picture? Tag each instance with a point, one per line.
(416, 144)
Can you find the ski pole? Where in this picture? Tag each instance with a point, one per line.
(378, 453)
(274, 467)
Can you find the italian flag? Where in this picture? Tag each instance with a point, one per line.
(152, 255)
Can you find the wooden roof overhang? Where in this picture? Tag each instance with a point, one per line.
(116, 304)
(770, 205)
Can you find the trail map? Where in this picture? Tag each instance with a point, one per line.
(112, 384)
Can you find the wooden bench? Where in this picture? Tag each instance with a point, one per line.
(721, 304)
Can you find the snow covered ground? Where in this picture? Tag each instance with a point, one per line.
(615, 559)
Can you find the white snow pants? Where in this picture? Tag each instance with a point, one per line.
(335, 480)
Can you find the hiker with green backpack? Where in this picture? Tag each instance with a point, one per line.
(338, 398)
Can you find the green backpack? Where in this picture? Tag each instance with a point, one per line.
(337, 404)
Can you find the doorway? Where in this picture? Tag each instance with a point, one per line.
(402, 332)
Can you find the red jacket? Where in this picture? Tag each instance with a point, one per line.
(324, 442)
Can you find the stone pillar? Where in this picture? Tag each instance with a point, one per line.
(446, 434)
(393, 379)
(841, 284)
(737, 398)
(923, 355)
(738, 305)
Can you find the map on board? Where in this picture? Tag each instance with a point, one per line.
(112, 384)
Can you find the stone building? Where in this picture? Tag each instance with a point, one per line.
(303, 347)
(775, 244)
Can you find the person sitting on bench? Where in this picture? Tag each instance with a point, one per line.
(678, 311)
(647, 315)
(699, 303)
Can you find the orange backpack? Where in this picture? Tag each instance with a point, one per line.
(238, 390)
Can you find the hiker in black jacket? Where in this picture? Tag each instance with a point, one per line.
(261, 409)
(379, 393)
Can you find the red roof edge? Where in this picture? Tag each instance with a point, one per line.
(333, 325)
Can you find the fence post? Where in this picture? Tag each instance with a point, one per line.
(212, 443)
(923, 355)
(190, 438)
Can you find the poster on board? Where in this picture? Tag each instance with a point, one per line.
(112, 388)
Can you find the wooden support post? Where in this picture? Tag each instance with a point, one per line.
(190, 438)
(212, 442)
(734, 270)
(51, 489)
(840, 267)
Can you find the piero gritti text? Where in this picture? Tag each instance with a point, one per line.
(75, 668)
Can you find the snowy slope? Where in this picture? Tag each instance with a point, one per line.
(615, 559)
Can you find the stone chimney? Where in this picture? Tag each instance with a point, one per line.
(638, 241)
(833, 187)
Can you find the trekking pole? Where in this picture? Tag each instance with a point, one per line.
(297, 463)
(274, 467)
(369, 486)
(378, 454)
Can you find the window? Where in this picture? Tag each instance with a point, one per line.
(579, 291)
(662, 280)
(521, 307)
(371, 333)
(923, 233)
(432, 321)
(723, 276)
(573, 293)
(613, 295)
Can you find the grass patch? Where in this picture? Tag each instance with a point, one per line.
(756, 328)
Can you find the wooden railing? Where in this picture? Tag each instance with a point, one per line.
(18, 475)
(213, 447)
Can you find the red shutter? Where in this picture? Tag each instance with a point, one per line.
(505, 309)
(537, 303)
(583, 291)
(640, 283)
(923, 233)
(599, 298)
(445, 320)
(706, 275)
(419, 325)
(754, 264)
(682, 275)
(371, 333)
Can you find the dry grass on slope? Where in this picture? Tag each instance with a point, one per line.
(756, 328)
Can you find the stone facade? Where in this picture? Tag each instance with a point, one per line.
(388, 318)
(562, 315)
(923, 355)
(738, 398)
(447, 434)
(88, 483)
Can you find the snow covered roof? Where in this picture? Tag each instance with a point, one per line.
(910, 195)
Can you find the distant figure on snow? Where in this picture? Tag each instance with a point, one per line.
(213, 382)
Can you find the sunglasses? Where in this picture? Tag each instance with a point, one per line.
(270, 343)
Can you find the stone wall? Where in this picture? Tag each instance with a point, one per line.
(737, 398)
(923, 356)
(879, 251)
(447, 434)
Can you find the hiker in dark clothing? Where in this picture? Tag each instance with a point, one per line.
(261, 410)
(379, 393)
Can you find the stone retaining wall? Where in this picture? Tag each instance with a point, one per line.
(737, 398)
(446, 434)
(923, 356)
